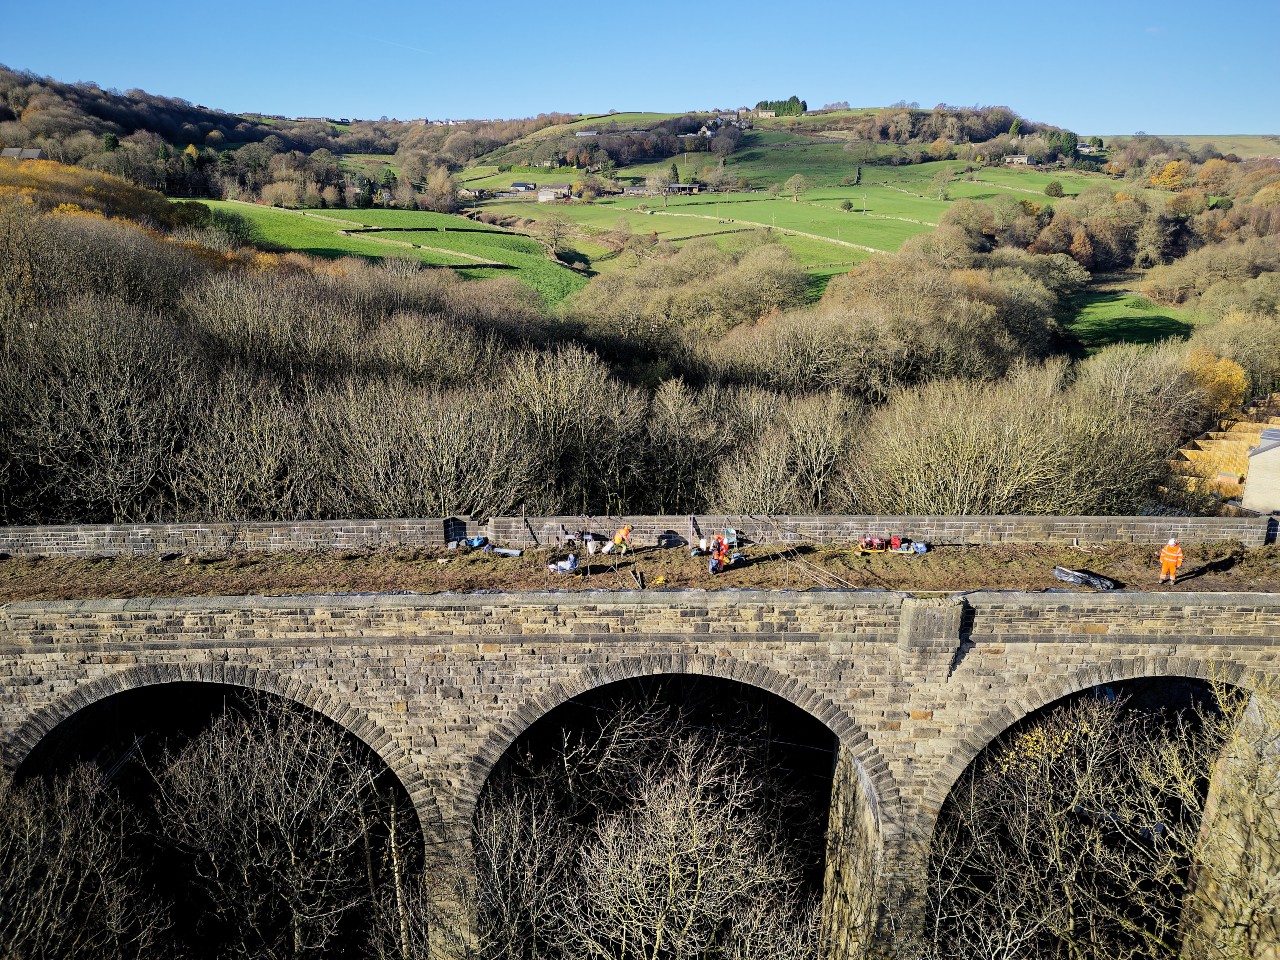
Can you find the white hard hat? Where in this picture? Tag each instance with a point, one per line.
(1173, 541)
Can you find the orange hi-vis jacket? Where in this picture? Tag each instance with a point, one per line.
(1170, 559)
(622, 535)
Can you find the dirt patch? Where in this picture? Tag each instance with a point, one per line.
(1213, 567)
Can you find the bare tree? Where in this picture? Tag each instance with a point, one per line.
(646, 838)
(1075, 838)
(271, 808)
(70, 887)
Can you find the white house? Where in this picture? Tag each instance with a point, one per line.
(1262, 482)
(553, 191)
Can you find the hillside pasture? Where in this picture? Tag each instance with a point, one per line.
(283, 230)
(372, 165)
(436, 240)
(815, 122)
(766, 157)
(637, 120)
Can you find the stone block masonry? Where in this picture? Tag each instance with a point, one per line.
(440, 686)
(161, 538)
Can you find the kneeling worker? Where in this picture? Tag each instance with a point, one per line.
(564, 566)
(621, 540)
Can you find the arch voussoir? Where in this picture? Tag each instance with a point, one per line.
(880, 785)
(1084, 677)
(46, 719)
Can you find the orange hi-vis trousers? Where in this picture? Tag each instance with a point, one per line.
(1168, 568)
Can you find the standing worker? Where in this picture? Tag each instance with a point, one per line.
(1170, 560)
(621, 540)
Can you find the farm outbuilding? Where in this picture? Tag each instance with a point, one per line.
(553, 191)
(1262, 482)
(1019, 160)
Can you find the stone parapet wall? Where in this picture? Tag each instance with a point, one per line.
(106, 540)
(1251, 531)
(161, 538)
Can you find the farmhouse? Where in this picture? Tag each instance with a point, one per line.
(473, 193)
(1019, 160)
(22, 153)
(766, 114)
(636, 190)
(1262, 484)
(1087, 148)
(553, 191)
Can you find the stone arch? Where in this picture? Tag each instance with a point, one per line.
(45, 719)
(1041, 695)
(877, 780)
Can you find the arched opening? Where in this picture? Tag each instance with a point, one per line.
(1085, 828)
(661, 803)
(248, 824)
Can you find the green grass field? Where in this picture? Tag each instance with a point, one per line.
(372, 165)
(814, 121)
(1106, 316)
(892, 203)
(766, 157)
(640, 120)
(437, 240)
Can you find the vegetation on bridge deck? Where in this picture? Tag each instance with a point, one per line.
(1211, 567)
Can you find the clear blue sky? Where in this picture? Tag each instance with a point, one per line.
(1098, 68)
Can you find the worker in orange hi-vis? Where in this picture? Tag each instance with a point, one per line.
(1170, 561)
(621, 540)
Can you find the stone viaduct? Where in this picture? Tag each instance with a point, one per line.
(440, 685)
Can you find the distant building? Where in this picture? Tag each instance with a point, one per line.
(636, 190)
(1262, 482)
(473, 193)
(1087, 148)
(1019, 160)
(553, 191)
(586, 133)
(22, 153)
(523, 186)
(683, 189)
(766, 114)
